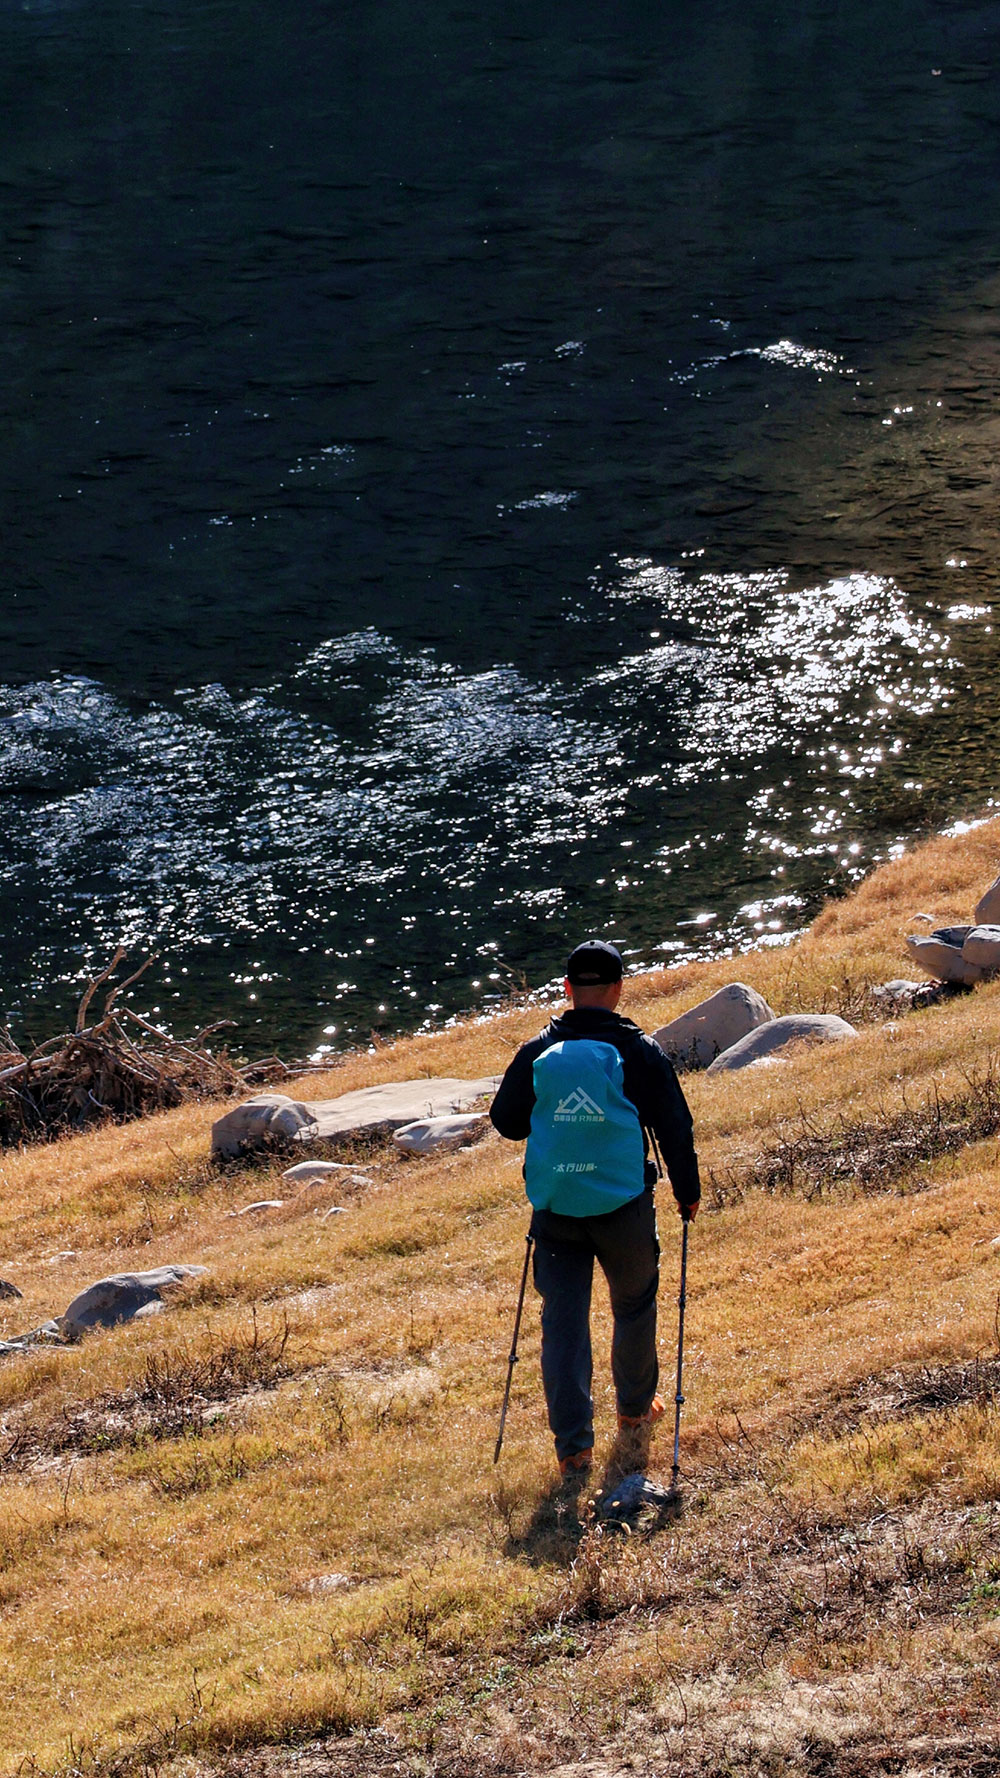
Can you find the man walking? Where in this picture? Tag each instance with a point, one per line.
(587, 1093)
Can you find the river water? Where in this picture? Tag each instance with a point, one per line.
(478, 475)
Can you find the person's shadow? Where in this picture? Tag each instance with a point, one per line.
(557, 1525)
(583, 1501)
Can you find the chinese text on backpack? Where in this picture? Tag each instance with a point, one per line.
(585, 1153)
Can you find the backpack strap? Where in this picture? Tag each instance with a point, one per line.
(657, 1157)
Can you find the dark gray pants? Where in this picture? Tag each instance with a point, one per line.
(625, 1245)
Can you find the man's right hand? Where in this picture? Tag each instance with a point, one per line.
(689, 1211)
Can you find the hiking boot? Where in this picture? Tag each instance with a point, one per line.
(634, 1422)
(631, 1449)
(577, 1463)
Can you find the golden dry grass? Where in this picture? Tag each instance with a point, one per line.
(271, 1515)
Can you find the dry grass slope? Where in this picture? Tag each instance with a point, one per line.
(270, 1516)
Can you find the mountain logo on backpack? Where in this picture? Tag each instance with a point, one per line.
(585, 1151)
(579, 1107)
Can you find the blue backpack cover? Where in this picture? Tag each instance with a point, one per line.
(585, 1151)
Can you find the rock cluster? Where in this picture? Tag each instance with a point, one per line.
(963, 955)
(697, 1037)
(386, 1108)
(735, 1027)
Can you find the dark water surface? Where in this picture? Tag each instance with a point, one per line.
(475, 474)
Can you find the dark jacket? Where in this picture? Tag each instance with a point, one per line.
(649, 1081)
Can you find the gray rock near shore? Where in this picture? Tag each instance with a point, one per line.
(386, 1107)
(988, 908)
(944, 960)
(697, 1037)
(802, 1027)
(122, 1297)
(982, 948)
(432, 1133)
(268, 1117)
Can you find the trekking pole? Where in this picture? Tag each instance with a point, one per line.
(679, 1398)
(513, 1347)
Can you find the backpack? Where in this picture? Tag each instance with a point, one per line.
(585, 1151)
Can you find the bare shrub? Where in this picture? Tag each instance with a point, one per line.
(869, 1154)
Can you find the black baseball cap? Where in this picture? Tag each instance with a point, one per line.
(594, 962)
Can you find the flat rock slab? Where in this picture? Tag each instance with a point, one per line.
(429, 1134)
(703, 1032)
(386, 1107)
(397, 1103)
(122, 1297)
(799, 1027)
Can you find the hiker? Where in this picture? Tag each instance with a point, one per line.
(587, 1093)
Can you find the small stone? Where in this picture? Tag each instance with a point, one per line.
(898, 992)
(334, 1210)
(315, 1172)
(7, 1289)
(330, 1583)
(262, 1204)
(633, 1493)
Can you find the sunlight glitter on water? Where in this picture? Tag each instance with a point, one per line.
(367, 810)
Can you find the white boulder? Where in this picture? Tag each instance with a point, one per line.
(122, 1296)
(259, 1120)
(982, 948)
(799, 1027)
(695, 1038)
(430, 1133)
(944, 961)
(988, 909)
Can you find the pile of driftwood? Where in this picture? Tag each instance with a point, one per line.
(115, 1068)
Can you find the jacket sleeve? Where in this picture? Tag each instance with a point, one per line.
(665, 1112)
(510, 1112)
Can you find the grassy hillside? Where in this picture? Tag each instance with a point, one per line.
(270, 1515)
